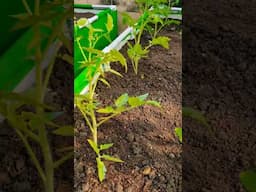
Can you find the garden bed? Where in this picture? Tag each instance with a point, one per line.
(144, 138)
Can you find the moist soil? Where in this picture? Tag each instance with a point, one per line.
(143, 138)
(219, 80)
(17, 172)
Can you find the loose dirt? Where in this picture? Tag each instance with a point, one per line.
(144, 138)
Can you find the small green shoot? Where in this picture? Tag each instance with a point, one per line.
(153, 19)
(178, 132)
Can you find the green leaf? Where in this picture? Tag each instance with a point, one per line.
(153, 103)
(135, 101)
(106, 110)
(64, 131)
(109, 24)
(178, 132)
(195, 114)
(94, 51)
(115, 72)
(143, 97)
(82, 22)
(163, 41)
(94, 146)
(137, 51)
(127, 19)
(110, 158)
(106, 146)
(101, 169)
(105, 82)
(117, 56)
(122, 100)
(248, 179)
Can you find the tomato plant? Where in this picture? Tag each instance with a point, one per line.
(93, 111)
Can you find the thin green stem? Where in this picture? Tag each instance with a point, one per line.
(42, 131)
(37, 7)
(81, 49)
(63, 159)
(87, 120)
(31, 134)
(25, 3)
(48, 73)
(112, 116)
(31, 154)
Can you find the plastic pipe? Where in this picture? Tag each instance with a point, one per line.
(113, 7)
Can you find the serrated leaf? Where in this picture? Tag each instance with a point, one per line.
(106, 146)
(101, 169)
(143, 97)
(106, 110)
(117, 56)
(163, 41)
(122, 100)
(135, 101)
(153, 103)
(93, 145)
(136, 52)
(248, 179)
(178, 132)
(82, 22)
(109, 24)
(111, 158)
(64, 131)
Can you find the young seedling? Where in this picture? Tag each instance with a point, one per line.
(95, 35)
(94, 113)
(35, 125)
(153, 19)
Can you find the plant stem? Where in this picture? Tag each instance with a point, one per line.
(32, 155)
(27, 7)
(81, 49)
(37, 6)
(42, 131)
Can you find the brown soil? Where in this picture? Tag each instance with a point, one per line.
(84, 15)
(144, 138)
(219, 80)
